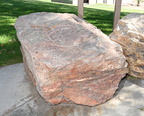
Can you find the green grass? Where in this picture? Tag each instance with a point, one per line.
(130, 77)
(99, 15)
(141, 109)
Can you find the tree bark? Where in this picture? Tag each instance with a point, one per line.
(138, 2)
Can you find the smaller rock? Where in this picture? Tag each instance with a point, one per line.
(130, 34)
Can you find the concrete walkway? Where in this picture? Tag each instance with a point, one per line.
(18, 97)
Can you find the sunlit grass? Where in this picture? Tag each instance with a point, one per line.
(99, 15)
(112, 7)
(5, 39)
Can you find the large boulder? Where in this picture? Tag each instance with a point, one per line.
(129, 33)
(68, 59)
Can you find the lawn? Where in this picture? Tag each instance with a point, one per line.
(99, 15)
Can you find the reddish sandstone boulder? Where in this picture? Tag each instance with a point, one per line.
(130, 34)
(68, 59)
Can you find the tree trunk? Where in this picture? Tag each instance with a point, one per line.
(138, 2)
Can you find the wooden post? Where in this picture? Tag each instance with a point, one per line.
(80, 8)
(117, 12)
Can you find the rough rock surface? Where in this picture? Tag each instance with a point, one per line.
(68, 59)
(130, 34)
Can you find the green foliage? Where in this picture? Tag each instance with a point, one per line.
(131, 77)
(141, 109)
(99, 15)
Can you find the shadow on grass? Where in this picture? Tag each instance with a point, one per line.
(10, 10)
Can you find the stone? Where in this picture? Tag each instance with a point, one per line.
(129, 34)
(68, 59)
